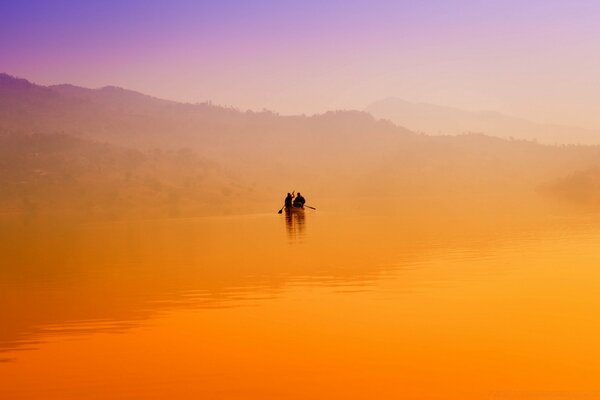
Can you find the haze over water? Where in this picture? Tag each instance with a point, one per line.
(337, 303)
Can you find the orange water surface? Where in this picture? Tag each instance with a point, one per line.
(320, 305)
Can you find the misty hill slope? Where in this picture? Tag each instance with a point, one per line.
(255, 155)
(581, 187)
(254, 143)
(60, 172)
(439, 120)
(132, 119)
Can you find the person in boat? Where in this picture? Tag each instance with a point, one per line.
(299, 201)
(288, 200)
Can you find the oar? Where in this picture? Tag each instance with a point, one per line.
(311, 207)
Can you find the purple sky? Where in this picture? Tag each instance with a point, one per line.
(535, 59)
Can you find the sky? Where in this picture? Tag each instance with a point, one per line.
(537, 59)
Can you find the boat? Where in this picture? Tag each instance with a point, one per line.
(293, 210)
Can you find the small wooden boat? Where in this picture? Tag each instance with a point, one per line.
(292, 210)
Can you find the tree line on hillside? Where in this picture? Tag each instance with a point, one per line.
(43, 172)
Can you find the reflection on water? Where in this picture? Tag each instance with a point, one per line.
(414, 305)
(294, 223)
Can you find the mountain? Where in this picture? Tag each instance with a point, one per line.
(252, 143)
(132, 119)
(243, 161)
(439, 120)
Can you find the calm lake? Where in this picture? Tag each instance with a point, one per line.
(321, 305)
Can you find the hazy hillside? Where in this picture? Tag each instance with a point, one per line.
(131, 119)
(439, 120)
(110, 148)
(580, 187)
(63, 173)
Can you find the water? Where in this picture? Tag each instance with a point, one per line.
(318, 305)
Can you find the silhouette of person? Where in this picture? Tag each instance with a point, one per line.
(288, 200)
(299, 200)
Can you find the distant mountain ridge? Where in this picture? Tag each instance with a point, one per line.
(67, 100)
(111, 95)
(132, 119)
(440, 120)
(254, 155)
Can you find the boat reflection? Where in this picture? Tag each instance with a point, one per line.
(295, 222)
